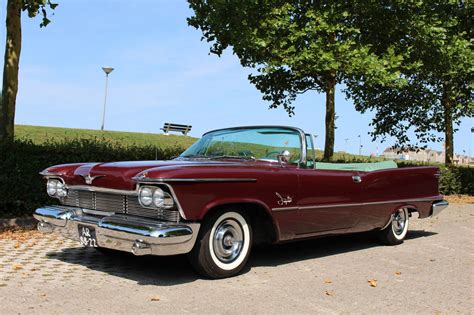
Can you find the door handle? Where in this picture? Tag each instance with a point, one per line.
(356, 179)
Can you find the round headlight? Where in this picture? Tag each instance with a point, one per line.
(158, 197)
(51, 187)
(146, 196)
(61, 191)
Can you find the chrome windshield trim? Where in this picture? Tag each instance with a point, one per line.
(342, 205)
(302, 161)
(144, 180)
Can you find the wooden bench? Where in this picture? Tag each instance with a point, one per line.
(184, 129)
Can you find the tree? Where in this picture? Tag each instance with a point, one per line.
(438, 67)
(294, 46)
(12, 57)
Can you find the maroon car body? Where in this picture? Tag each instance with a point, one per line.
(281, 201)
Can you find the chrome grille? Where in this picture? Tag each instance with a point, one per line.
(116, 203)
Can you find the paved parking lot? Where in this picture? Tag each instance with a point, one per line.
(432, 272)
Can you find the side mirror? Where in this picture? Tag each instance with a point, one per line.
(283, 157)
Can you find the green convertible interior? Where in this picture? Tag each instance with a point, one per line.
(363, 167)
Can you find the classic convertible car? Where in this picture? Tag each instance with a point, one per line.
(233, 188)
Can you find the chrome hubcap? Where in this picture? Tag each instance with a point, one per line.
(399, 222)
(228, 240)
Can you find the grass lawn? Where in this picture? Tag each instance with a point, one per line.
(39, 134)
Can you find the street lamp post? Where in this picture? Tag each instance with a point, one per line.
(360, 145)
(107, 71)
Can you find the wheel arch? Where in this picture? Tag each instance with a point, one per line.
(258, 213)
(410, 207)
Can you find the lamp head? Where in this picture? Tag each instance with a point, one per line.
(107, 70)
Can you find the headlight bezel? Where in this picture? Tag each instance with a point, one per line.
(160, 198)
(56, 187)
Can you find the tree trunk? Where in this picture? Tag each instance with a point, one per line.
(330, 115)
(10, 70)
(448, 127)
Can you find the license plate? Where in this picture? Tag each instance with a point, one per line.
(87, 236)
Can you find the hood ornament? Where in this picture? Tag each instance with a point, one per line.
(89, 179)
(284, 200)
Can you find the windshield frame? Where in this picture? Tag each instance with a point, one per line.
(301, 133)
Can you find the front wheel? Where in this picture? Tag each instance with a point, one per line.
(223, 245)
(397, 229)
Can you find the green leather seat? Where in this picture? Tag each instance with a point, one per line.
(363, 167)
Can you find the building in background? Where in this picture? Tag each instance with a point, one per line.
(427, 155)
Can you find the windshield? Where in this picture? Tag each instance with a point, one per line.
(263, 143)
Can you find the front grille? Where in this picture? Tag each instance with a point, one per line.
(116, 203)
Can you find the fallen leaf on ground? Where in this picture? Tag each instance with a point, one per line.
(17, 267)
(372, 282)
(155, 299)
(459, 199)
(330, 293)
(328, 281)
(398, 273)
(17, 245)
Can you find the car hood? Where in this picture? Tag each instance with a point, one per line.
(119, 175)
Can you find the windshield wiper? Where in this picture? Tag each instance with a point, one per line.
(232, 157)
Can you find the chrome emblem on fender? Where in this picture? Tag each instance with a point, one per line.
(283, 200)
(89, 179)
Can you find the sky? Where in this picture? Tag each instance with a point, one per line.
(163, 73)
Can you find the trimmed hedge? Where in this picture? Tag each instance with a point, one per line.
(22, 189)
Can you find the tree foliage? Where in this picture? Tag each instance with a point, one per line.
(12, 57)
(435, 40)
(295, 47)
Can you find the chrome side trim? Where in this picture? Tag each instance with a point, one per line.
(341, 205)
(145, 180)
(285, 209)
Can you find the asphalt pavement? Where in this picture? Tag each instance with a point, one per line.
(431, 273)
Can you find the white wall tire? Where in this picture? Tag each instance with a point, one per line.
(397, 229)
(223, 245)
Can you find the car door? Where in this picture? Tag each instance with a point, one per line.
(328, 200)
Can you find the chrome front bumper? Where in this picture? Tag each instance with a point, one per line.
(121, 232)
(438, 206)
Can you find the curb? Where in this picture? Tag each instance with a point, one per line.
(25, 222)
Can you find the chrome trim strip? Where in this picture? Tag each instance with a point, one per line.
(285, 209)
(48, 174)
(104, 190)
(145, 180)
(342, 205)
(175, 197)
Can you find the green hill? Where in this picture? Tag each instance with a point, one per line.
(39, 134)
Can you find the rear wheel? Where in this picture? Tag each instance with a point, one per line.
(397, 229)
(223, 245)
